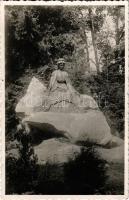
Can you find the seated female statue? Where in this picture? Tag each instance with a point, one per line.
(62, 97)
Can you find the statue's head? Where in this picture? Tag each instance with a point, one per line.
(61, 63)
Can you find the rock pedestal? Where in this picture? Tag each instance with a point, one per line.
(59, 151)
(82, 128)
(62, 135)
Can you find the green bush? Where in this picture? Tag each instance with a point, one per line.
(86, 174)
(21, 172)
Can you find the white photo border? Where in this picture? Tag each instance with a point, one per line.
(2, 103)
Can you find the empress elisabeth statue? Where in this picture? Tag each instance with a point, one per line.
(62, 97)
(59, 111)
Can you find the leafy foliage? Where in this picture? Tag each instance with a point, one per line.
(21, 172)
(86, 174)
(36, 36)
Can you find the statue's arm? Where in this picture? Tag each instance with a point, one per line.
(52, 81)
(69, 84)
(68, 81)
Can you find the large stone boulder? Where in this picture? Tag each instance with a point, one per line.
(57, 151)
(87, 102)
(33, 98)
(77, 127)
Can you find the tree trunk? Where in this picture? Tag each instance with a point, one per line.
(87, 52)
(84, 36)
(117, 25)
(93, 41)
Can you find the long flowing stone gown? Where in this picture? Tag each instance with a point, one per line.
(62, 97)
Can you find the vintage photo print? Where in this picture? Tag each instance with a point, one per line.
(64, 78)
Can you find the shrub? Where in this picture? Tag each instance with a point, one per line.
(21, 172)
(86, 174)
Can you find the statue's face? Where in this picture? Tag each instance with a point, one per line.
(61, 66)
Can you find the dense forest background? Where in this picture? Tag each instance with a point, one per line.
(91, 39)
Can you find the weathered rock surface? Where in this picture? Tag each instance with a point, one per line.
(77, 127)
(56, 151)
(59, 151)
(88, 100)
(33, 97)
(113, 155)
(90, 126)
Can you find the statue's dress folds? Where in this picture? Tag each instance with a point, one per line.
(62, 97)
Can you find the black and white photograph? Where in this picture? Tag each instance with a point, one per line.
(65, 99)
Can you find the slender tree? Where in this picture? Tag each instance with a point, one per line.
(94, 39)
(84, 36)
